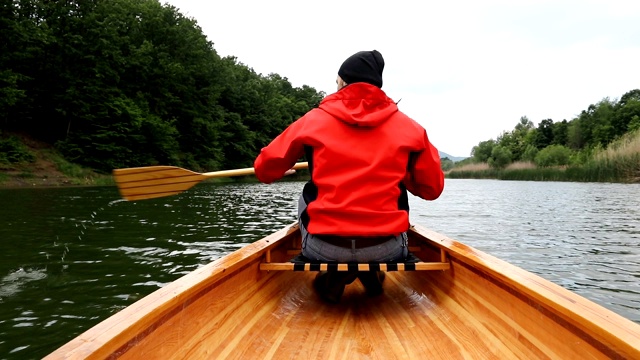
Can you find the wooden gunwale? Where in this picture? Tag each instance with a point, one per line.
(606, 329)
(610, 334)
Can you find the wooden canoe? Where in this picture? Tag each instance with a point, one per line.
(479, 308)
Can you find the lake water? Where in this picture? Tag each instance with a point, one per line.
(73, 256)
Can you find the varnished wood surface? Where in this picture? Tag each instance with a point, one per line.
(482, 308)
(419, 266)
(158, 181)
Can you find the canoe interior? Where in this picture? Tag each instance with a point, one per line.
(231, 309)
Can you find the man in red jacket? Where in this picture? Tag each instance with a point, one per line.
(364, 155)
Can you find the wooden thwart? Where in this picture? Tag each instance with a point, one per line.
(355, 266)
(295, 265)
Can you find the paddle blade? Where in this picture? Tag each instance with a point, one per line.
(154, 181)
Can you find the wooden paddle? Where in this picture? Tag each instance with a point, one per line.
(157, 181)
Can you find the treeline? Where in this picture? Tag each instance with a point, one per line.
(122, 83)
(561, 143)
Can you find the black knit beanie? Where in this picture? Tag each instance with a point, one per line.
(363, 66)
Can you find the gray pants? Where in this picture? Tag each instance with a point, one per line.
(315, 248)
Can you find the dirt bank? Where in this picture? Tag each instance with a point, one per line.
(42, 172)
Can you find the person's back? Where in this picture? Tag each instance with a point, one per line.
(364, 154)
(359, 145)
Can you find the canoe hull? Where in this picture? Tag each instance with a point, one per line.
(481, 308)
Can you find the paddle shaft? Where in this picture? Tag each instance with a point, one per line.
(245, 171)
(159, 181)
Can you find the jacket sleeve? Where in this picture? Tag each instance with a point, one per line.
(281, 154)
(425, 178)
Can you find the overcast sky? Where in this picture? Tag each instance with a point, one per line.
(465, 70)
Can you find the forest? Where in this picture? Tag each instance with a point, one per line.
(124, 83)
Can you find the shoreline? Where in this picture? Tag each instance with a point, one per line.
(10, 184)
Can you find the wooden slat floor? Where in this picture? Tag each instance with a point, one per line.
(294, 323)
(402, 323)
(284, 319)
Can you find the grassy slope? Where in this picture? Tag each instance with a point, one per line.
(49, 169)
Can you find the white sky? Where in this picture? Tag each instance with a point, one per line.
(466, 70)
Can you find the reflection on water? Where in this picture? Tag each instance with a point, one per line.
(10, 285)
(72, 257)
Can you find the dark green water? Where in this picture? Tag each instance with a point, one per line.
(71, 257)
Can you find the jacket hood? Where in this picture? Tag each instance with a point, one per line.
(360, 104)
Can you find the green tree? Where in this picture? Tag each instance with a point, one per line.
(446, 164)
(593, 126)
(500, 157)
(544, 135)
(10, 94)
(603, 130)
(626, 110)
(524, 125)
(22, 57)
(530, 153)
(561, 133)
(553, 155)
(516, 140)
(482, 151)
(634, 124)
(576, 134)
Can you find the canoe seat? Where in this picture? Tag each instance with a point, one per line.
(300, 263)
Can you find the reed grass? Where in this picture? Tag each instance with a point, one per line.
(621, 157)
(521, 165)
(472, 167)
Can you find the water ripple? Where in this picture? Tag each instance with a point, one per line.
(570, 233)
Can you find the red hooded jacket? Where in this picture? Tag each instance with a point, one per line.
(363, 155)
